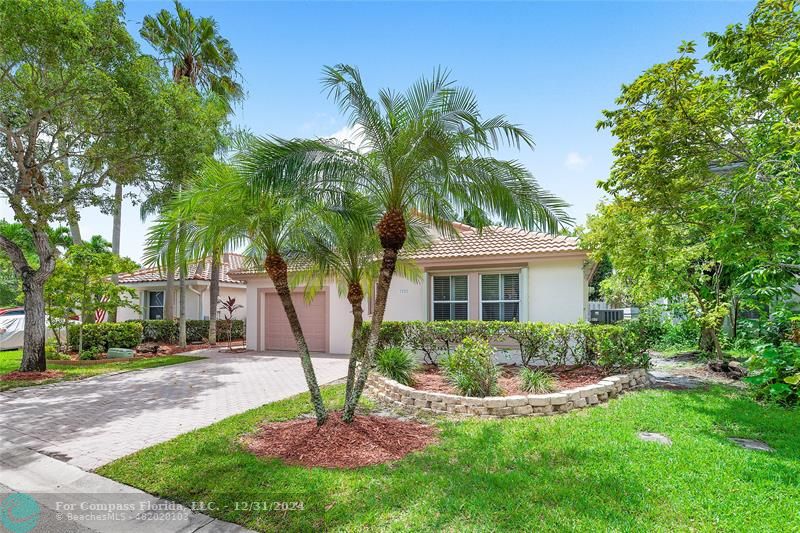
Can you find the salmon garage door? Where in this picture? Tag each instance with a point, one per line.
(313, 319)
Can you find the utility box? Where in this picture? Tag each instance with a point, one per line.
(119, 353)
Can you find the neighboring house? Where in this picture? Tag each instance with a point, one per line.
(497, 274)
(149, 284)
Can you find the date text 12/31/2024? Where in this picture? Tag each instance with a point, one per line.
(259, 506)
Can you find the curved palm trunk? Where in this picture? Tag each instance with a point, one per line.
(277, 270)
(169, 292)
(213, 297)
(356, 297)
(388, 264)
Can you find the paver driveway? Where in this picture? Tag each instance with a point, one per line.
(92, 422)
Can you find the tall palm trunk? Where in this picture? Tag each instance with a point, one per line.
(182, 306)
(169, 292)
(355, 295)
(213, 297)
(116, 235)
(74, 224)
(278, 273)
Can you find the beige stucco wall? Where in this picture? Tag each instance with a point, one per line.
(198, 305)
(557, 290)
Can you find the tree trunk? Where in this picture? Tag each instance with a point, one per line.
(74, 225)
(276, 268)
(33, 359)
(116, 236)
(355, 296)
(212, 299)
(182, 307)
(388, 264)
(709, 343)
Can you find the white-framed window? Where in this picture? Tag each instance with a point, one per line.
(500, 297)
(155, 305)
(450, 298)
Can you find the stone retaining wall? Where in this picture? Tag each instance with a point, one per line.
(389, 391)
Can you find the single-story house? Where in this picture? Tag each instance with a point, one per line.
(497, 274)
(150, 283)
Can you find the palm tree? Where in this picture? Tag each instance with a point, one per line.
(426, 150)
(221, 208)
(342, 245)
(202, 58)
(195, 50)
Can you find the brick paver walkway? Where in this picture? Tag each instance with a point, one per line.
(92, 422)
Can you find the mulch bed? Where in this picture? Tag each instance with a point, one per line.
(31, 376)
(430, 378)
(368, 440)
(174, 349)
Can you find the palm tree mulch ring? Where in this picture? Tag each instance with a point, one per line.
(368, 440)
(32, 376)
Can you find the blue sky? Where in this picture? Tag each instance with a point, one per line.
(550, 66)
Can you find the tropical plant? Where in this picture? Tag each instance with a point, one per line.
(776, 373)
(426, 152)
(79, 104)
(536, 381)
(397, 364)
(471, 369)
(195, 50)
(229, 307)
(205, 61)
(341, 244)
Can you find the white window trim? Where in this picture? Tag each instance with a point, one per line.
(433, 301)
(518, 301)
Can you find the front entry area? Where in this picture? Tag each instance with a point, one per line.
(313, 318)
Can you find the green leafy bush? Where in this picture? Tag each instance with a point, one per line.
(166, 331)
(105, 335)
(534, 339)
(536, 381)
(396, 363)
(470, 368)
(91, 354)
(775, 373)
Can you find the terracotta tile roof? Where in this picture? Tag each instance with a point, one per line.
(496, 240)
(197, 271)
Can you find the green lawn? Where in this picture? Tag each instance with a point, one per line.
(583, 471)
(9, 362)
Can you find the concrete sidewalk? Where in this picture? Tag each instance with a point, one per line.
(72, 500)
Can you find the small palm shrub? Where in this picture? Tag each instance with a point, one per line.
(470, 368)
(397, 364)
(536, 381)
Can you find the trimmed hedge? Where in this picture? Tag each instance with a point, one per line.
(166, 331)
(622, 345)
(105, 335)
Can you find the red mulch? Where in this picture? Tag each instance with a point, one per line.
(174, 349)
(368, 440)
(430, 378)
(31, 376)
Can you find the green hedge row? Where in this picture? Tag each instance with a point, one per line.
(166, 331)
(134, 332)
(105, 335)
(621, 345)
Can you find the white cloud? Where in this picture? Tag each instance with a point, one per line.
(350, 134)
(576, 162)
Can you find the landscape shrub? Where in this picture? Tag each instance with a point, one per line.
(91, 354)
(471, 369)
(105, 335)
(536, 381)
(396, 363)
(775, 373)
(622, 345)
(166, 331)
